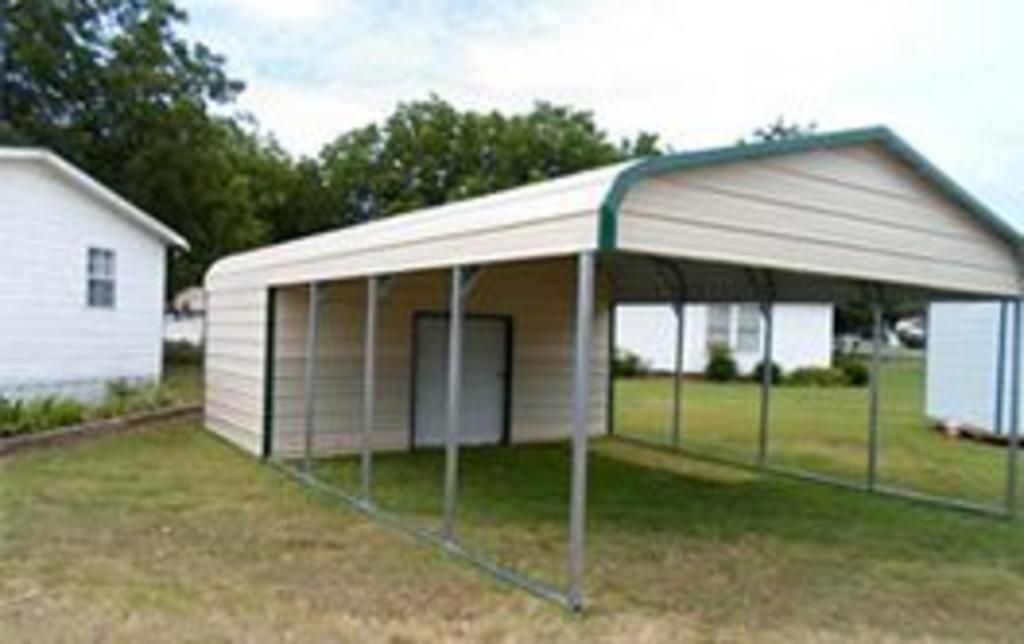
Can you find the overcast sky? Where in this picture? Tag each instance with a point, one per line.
(948, 76)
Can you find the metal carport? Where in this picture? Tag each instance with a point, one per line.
(853, 215)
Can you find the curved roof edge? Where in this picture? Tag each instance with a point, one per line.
(81, 180)
(655, 166)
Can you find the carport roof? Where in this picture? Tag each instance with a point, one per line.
(563, 216)
(882, 135)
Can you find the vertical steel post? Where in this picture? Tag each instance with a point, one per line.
(309, 408)
(369, 386)
(580, 422)
(454, 403)
(998, 413)
(677, 381)
(1013, 444)
(873, 392)
(610, 391)
(768, 313)
(4, 30)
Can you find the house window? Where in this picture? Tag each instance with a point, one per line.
(748, 329)
(718, 324)
(101, 282)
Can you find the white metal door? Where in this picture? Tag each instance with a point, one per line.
(485, 358)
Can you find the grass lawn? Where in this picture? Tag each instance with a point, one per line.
(173, 535)
(184, 382)
(825, 430)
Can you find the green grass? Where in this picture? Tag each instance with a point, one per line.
(183, 383)
(173, 535)
(822, 429)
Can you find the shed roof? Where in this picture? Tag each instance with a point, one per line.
(564, 216)
(83, 182)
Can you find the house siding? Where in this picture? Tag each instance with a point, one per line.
(48, 334)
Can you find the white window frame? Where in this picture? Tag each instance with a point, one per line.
(748, 328)
(100, 278)
(719, 325)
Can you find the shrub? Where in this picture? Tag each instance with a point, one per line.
(758, 373)
(854, 371)
(721, 365)
(38, 414)
(9, 410)
(817, 377)
(124, 398)
(65, 411)
(10, 416)
(629, 365)
(21, 417)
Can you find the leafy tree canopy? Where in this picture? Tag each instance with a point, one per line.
(114, 87)
(781, 130)
(428, 153)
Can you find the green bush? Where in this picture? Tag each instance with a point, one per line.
(721, 365)
(627, 364)
(37, 414)
(817, 377)
(758, 373)
(124, 398)
(854, 370)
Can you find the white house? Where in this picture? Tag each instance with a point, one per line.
(962, 374)
(802, 334)
(82, 280)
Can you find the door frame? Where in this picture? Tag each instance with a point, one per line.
(506, 413)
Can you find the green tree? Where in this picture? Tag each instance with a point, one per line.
(781, 130)
(428, 153)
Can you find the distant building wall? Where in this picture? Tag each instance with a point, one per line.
(963, 344)
(802, 334)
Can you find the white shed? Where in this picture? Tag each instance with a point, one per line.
(969, 374)
(488, 320)
(82, 281)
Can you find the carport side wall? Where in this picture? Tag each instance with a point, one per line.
(539, 297)
(235, 364)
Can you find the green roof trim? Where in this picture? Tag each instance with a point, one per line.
(656, 166)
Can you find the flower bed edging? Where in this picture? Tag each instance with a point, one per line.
(71, 433)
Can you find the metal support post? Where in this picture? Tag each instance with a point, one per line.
(580, 421)
(1013, 445)
(873, 392)
(454, 403)
(999, 400)
(369, 386)
(677, 381)
(309, 409)
(767, 312)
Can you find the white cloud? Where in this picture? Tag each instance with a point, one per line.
(276, 11)
(946, 74)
